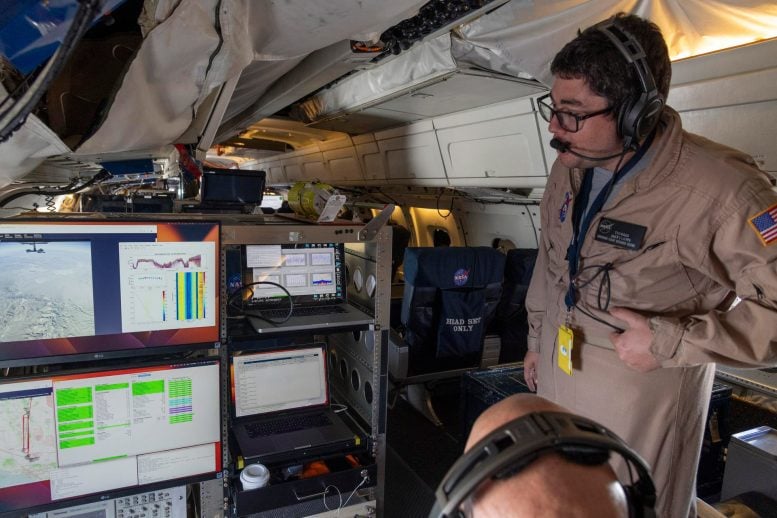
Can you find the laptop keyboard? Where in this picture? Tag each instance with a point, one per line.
(302, 311)
(287, 424)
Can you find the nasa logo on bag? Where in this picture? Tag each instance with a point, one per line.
(460, 277)
(234, 283)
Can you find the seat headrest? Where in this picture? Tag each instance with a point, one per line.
(520, 265)
(453, 267)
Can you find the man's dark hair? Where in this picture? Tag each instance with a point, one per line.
(593, 57)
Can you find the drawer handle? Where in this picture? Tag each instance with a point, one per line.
(308, 497)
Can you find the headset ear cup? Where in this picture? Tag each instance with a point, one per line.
(623, 115)
(638, 117)
(648, 117)
(634, 502)
(626, 120)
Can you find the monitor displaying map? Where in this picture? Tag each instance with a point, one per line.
(88, 435)
(74, 290)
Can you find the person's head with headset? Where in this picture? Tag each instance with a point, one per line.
(610, 85)
(526, 457)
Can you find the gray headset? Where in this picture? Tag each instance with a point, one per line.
(640, 113)
(509, 449)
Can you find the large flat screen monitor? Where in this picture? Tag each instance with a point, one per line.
(85, 436)
(76, 290)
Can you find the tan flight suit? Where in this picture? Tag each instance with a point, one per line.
(695, 199)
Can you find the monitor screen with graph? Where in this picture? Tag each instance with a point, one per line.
(313, 273)
(76, 290)
(82, 436)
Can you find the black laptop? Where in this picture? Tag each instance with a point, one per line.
(314, 276)
(281, 407)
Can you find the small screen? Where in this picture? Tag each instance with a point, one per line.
(73, 436)
(279, 380)
(91, 288)
(311, 272)
(232, 186)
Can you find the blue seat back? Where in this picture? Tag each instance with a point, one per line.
(450, 296)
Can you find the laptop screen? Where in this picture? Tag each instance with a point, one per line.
(313, 273)
(279, 380)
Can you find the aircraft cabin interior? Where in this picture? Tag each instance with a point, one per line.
(271, 259)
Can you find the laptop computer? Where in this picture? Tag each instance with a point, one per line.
(313, 274)
(281, 406)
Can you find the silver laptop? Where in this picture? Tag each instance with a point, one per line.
(314, 276)
(281, 406)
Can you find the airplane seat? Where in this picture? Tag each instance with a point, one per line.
(510, 322)
(450, 296)
(400, 239)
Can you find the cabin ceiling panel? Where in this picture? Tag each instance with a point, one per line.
(521, 38)
(455, 92)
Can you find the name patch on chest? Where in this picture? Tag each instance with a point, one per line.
(620, 233)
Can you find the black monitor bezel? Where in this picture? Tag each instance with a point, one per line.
(140, 488)
(223, 174)
(146, 350)
(299, 300)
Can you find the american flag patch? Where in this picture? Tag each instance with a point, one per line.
(765, 225)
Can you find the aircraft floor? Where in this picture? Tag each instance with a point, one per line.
(419, 453)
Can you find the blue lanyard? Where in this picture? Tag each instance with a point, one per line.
(581, 225)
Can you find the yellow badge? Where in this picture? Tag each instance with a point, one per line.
(566, 339)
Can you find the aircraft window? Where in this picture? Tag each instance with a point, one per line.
(355, 380)
(503, 245)
(368, 392)
(440, 237)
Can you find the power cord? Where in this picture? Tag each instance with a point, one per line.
(365, 479)
(337, 408)
(341, 505)
(258, 314)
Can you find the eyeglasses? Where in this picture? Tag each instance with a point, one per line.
(568, 121)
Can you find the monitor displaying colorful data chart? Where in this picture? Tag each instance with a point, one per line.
(78, 290)
(96, 435)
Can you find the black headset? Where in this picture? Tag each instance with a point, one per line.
(509, 449)
(640, 113)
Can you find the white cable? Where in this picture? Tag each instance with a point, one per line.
(364, 479)
(339, 496)
(337, 408)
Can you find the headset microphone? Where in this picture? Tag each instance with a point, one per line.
(563, 147)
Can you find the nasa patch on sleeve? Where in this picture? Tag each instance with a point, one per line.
(620, 233)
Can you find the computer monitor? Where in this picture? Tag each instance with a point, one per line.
(258, 377)
(313, 273)
(225, 186)
(84, 436)
(79, 290)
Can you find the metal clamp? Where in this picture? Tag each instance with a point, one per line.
(375, 224)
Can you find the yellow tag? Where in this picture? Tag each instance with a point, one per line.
(566, 339)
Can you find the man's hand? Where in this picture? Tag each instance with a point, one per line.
(633, 345)
(530, 369)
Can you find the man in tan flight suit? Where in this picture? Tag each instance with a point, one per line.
(658, 229)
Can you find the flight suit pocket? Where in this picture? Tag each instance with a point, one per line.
(651, 279)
